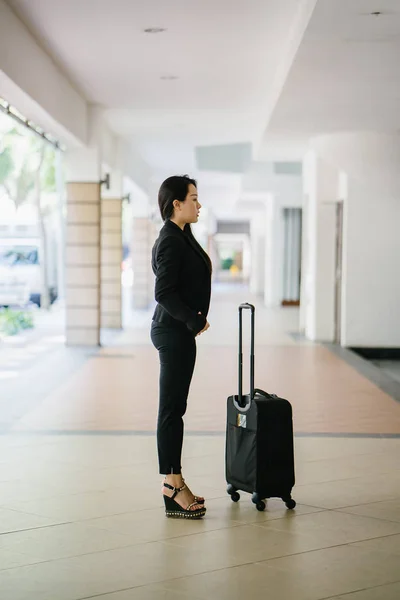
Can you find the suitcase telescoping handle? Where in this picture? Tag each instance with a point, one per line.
(252, 309)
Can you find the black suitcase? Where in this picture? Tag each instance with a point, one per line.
(259, 456)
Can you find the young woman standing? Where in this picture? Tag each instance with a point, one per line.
(182, 291)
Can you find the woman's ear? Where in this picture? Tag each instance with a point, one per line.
(176, 204)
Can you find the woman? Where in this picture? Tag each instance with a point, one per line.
(182, 291)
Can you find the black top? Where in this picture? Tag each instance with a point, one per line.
(183, 279)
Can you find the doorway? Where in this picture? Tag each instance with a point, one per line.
(292, 224)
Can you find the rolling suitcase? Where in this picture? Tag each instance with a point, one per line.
(259, 456)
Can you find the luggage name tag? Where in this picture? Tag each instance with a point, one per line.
(241, 420)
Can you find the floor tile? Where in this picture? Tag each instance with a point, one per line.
(45, 581)
(25, 490)
(134, 566)
(346, 467)
(152, 525)
(383, 592)
(11, 520)
(333, 528)
(11, 560)
(307, 576)
(90, 505)
(255, 581)
(389, 511)
(387, 545)
(148, 592)
(309, 449)
(61, 541)
(350, 492)
(338, 570)
(250, 544)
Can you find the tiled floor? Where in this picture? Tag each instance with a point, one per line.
(80, 507)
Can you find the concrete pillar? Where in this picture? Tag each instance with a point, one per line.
(111, 252)
(111, 259)
(321, 182)
(83, 248)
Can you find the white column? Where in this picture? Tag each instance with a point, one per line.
(318, 263)
(83, 248)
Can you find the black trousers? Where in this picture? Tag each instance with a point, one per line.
(177, 352)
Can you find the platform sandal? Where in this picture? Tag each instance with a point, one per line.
(175, 510)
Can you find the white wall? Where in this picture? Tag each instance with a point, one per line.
(257, 241)
(286, 188)
(371, 241)
(371, 277)
(368, 157)
(274, 239)
(83, 164)
(318, 261)
(325, 273)
(133, 165)
(288, 191)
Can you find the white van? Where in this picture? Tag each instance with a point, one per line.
(20, 272)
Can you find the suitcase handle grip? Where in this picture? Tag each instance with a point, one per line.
(252, 309)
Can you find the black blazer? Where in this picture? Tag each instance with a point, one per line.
(183, 279)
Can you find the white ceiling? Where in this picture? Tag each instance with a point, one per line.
(231, 57)
(346, 74)
(225, 53)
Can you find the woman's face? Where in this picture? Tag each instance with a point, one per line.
(189, 210)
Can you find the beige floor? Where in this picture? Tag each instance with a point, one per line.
(81, 513)
(82, 516)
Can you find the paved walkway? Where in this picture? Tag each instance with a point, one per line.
(115, 389)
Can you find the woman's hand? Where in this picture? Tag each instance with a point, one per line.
(207, 325)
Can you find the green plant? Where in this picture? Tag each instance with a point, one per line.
(226, 264)
(12, 321)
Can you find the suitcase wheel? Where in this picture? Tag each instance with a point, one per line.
(234, 494)
(258, 501)
(290, 503)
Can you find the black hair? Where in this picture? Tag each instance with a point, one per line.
(173, 188)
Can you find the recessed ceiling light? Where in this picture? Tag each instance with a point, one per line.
(154, 30)
(169, 77)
